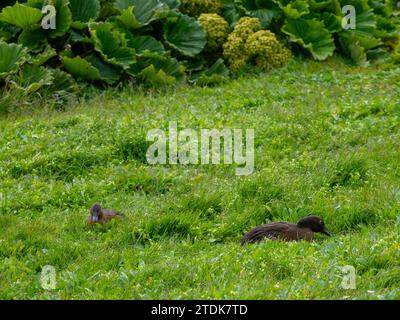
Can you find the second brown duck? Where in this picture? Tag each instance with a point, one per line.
(102, 216)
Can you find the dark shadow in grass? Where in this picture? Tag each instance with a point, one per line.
(6, 221)
(252, 103)
(362, 111)
(235, 225)
(280, 271)
(132, 148)
(67, 123)
(206, 205)
(389, 278)
(61, 255)
(161, 228)
(353, 218)
(260, 189)
(142, 180)
(66, 166)
(17, 249)
(27, 241)
(350, 172)
(102, 228)
(372, 263)
(26, 207)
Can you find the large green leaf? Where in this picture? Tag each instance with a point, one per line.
(112, 46)
(62, 82)
(143, 44)
(137, 13)
(365, 23)
(21, 16)
(63, 18)
(312, 36)
(230, 12)
(108, 72)
(155, 78)
(107, 9)
(62, 88)
(172, 4)
(354, 43)
(35, 40)
(352, 48)
(332, 22)
(78, 36)
(386, 28)
(81, 68)
(32, 78)
(63, 15)
(12, 56)
(215, 74)
(295, 9)
(333, 6)
(264, 10)
(129, 20)
(84, 10)
(38, 4)
(184, 34)
(7, 31)
(169, 66)
(43, 57)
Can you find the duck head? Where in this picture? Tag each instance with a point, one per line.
(316, 224)
(95, 212)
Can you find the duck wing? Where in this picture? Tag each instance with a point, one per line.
(272, 231)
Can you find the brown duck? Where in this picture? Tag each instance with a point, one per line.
(303, 230)
(102, 216)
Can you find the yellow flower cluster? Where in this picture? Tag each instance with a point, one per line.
(267, 50)
(217, 30)
(245, 27)
(234, 48)
(195, 8)
(248, 42)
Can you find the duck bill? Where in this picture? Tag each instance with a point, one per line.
(326, 232)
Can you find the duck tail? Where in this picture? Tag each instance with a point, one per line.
(120, 214)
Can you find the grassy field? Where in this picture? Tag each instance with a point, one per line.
(327, 142)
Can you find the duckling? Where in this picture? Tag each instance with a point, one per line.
(303, 230)
(102, 216)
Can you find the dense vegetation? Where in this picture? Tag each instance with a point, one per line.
(161, 42)
(334, 154)
(323, 101)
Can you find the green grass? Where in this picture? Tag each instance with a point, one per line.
(327, 142)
